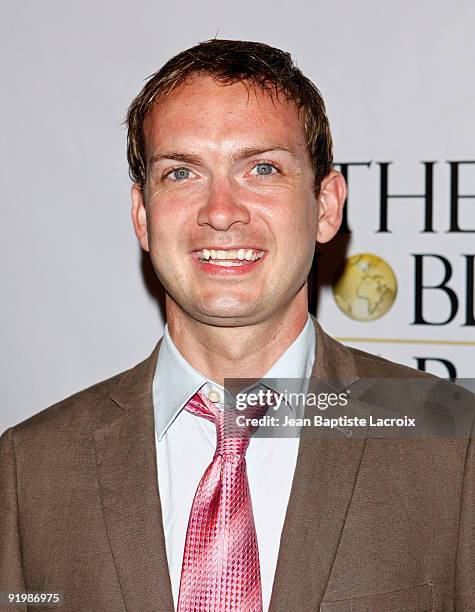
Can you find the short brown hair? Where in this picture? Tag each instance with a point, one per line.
(229, 61)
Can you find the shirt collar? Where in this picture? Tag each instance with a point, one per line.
(176, 380)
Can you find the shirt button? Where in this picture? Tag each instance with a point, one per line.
(214, 396)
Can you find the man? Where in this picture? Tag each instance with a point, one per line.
(107, 497)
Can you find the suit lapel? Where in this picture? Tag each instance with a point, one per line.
(323, 484)
(127, 472)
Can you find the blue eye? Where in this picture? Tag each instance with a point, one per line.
(180, 174)
(264, 169)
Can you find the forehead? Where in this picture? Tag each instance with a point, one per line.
(202, 110)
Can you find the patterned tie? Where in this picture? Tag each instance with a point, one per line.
(220, 571)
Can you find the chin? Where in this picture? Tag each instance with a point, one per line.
(226, 305)
(229, 316)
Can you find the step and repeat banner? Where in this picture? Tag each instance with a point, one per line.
(398, 280)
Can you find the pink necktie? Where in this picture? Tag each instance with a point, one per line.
(220, 571)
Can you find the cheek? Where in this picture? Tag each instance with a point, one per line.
(166, 218)
(297, 229)
(291, 214)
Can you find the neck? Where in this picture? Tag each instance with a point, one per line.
(247, 351)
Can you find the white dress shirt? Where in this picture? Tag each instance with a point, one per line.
(186, 443)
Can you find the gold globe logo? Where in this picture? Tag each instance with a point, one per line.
(365, 288)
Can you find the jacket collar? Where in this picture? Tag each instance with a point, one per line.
(334, 361)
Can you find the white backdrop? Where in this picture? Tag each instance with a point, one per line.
(398, 82)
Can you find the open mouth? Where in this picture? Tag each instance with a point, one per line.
(231, 258)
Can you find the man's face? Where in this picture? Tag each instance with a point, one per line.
(229, 210)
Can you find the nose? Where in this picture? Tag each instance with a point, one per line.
(222, 207)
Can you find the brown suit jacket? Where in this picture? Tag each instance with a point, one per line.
(372, 524)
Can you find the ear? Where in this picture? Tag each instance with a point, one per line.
(331, 199)
(139, 216)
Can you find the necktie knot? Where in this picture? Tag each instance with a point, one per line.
(233, 427)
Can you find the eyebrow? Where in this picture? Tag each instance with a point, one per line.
(245, 153)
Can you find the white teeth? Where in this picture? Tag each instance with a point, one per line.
(229, 256)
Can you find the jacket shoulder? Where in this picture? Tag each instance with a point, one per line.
(369, 365)
(445, 407)
(340, 361)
